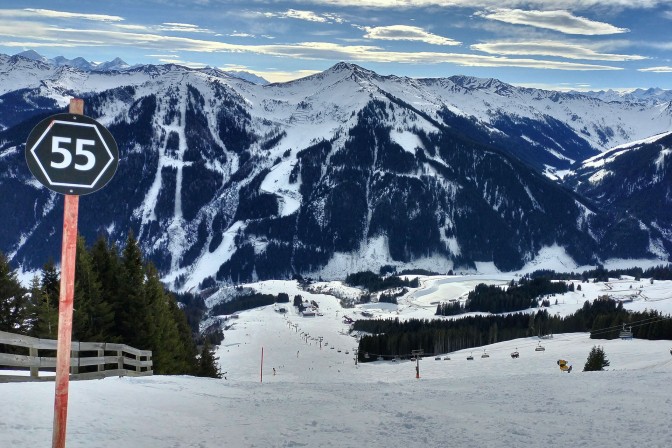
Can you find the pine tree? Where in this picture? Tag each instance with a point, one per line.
(597, 360)
(106, 263)
(46, 303)
(36, 301)
(93, 317)
(130, 308)
(207, 362)
(188, 347)
(164, 337)
(14, 301)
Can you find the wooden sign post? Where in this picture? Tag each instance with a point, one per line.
(70, 154)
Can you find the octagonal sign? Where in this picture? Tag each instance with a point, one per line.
(72, 154)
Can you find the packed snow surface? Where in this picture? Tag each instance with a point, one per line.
(318, 397)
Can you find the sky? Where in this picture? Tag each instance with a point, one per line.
(557, 44)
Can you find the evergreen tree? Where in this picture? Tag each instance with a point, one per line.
(51, 283)
(37, 299)
(597, 360)
(93, 317)
(14, 302)
(188, 347)
(106, 263)
(164, 336)
(207, 362)
(130, 308)
(45, 302)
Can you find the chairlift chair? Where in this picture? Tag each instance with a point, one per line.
(470, 358)
(539, 348)
(485, 354)
(625, 333)
(515, 354)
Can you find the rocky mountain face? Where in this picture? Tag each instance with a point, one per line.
(633, 180)
(345, 170)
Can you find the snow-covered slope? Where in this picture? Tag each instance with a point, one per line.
(319, 397)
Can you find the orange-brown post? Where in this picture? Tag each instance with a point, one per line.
(65, 306)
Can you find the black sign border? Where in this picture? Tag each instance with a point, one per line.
(35, 169)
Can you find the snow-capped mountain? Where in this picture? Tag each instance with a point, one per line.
(633, 179)
(650, 96)
(79, 62)
(340, 171)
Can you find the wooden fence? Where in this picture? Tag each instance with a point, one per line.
(102, 360)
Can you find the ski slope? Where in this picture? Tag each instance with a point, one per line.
(320, 398)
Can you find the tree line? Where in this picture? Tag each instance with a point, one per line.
(600, 274)
(118, 298)
(374, 283)
(603, 318)
(247, 302)
(493, 299)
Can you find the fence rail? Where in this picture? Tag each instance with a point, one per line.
(108, 359)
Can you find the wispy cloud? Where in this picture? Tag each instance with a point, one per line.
(552, 48)
(559, 20)
(663, 69)
(305, 50)
(178, 61)
(406, 32)
(155, 39)
(72, 15)
(281, 75)
(569, 4)
(308, 16)
(239, 34)
(182, 28)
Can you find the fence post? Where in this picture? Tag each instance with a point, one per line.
(74, 361)
(101, 366)
(120, 361)
(34, 369)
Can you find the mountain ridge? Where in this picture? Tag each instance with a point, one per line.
(224, 179)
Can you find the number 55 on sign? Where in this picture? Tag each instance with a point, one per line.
(72, 154)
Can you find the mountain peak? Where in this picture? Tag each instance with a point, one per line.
(114, 64)
(32, 54)
(349, 67)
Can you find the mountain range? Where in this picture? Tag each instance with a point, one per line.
(223, 179)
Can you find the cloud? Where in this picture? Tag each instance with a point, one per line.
(663, 69)
(126, 26)
(71, 15)
(568, 4)
(280, 75)
(406, 32)
(559, 20)
(308, 16)
(306, 50)
(551, 48)
(182, 28)
(178, 61)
